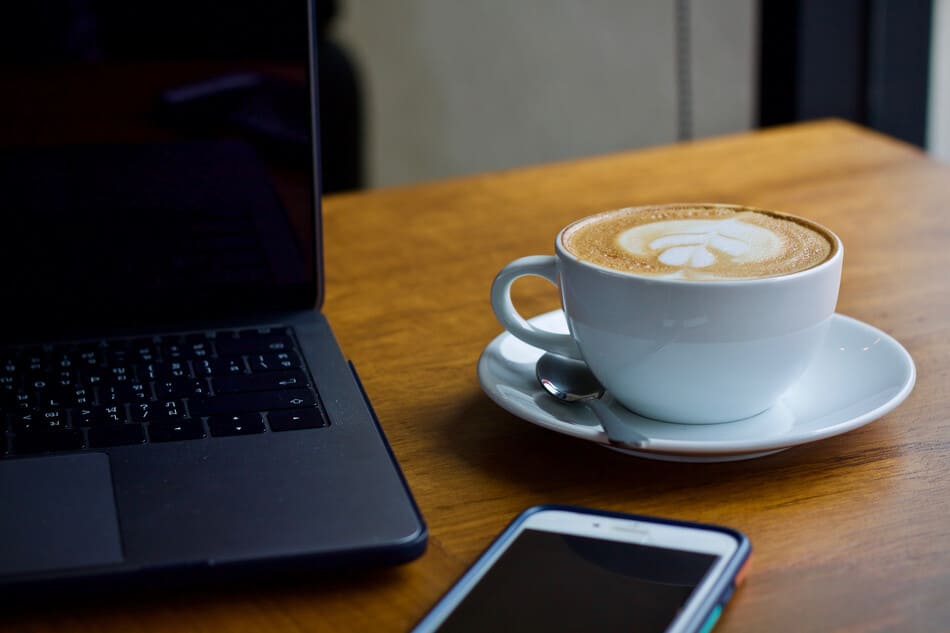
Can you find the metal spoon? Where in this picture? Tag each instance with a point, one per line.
(571, 380)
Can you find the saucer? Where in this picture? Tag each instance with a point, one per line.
(858, 375)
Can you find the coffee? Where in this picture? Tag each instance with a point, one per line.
(699, 242)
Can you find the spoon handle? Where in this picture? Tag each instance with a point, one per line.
(618, 432)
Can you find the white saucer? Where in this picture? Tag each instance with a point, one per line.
(859, 375)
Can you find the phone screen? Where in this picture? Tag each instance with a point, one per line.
(547, 581)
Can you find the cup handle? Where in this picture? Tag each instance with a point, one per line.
(544, 266)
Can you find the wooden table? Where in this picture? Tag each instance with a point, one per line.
(849, 534)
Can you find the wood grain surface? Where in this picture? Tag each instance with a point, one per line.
(849, 534)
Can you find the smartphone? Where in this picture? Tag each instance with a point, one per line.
(563, 568)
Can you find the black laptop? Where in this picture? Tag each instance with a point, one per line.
(172, 402)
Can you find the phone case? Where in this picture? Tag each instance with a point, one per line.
(709, 609)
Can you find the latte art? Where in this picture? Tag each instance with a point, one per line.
(700, 242)
(685, 244)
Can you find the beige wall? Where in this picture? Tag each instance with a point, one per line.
(456, 86)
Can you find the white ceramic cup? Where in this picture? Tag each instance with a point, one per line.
(682, 350)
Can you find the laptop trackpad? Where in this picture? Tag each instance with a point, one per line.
(58, 513)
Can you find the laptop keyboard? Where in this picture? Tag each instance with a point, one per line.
(115, 392)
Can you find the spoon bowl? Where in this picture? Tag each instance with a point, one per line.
(571, 381)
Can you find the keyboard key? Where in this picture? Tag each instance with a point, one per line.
(107, 414)
(25, 420)
(254, 401)
(32, 359)
(38, 382)
(65, 379)
(118, 356)
(237, 424)
(88, 358)
(172, 350)
(169, 410)
(219, 366)
(49, 399)
(8, 363)
(259, 382)
(143, 351)
(134, 391)
(173, 369)
(78, 397)
(262, 331)
(268, 343)
(116, 435)
(170, 388)
(174, 431)
(82, 416)
(198, 350)
(274, 362)
(293, 420)
(109, 394)
(9, 382)
(60, 361)
(52, 419)
(93, 376)
(21, 401)
(120, 374)
(142, 411)
(41, 441)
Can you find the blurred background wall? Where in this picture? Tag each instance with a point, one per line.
(452, 87)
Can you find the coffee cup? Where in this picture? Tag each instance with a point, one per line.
(690, 313)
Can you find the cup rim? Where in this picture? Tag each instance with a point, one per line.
(836, 255)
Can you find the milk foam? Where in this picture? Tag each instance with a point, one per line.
(701, 242)
(685, 244)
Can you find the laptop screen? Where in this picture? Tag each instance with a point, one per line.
(157, 161)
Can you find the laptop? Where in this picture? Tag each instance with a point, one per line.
(174, 404)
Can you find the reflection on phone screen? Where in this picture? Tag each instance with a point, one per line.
(557, 582)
